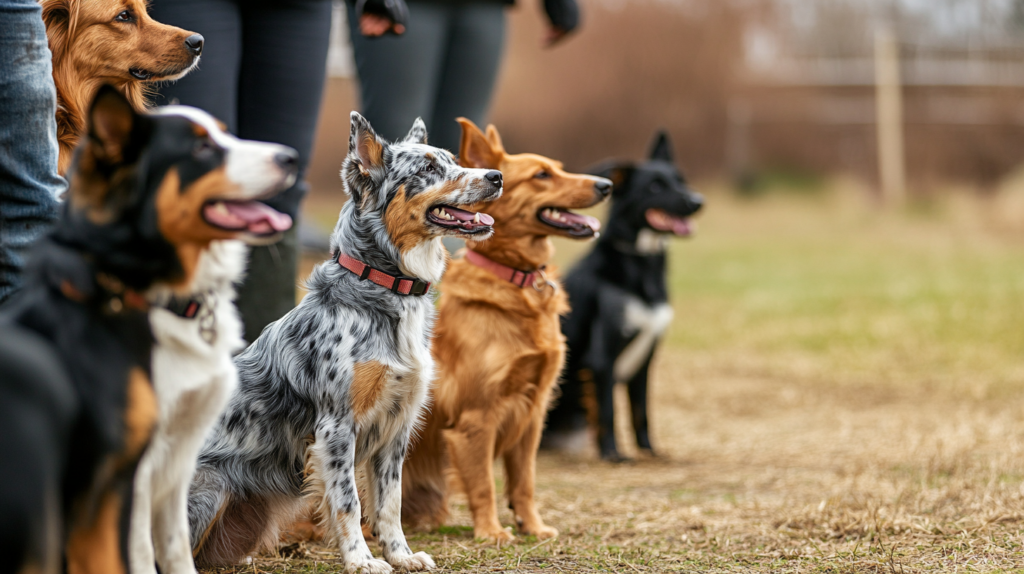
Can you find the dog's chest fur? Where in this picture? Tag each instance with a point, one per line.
(645, 323)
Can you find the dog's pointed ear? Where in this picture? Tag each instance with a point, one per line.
(661, 147)
(494, 138)
(418, 133)
(475, 150)
(364, 146)
(111, 124)
(617, 171)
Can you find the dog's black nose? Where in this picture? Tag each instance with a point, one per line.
(194, 44)
(493, 176)
(287, 160)
(603, 187)
(697, 200)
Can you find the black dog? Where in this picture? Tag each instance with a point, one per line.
(77, 406)
(619, 298)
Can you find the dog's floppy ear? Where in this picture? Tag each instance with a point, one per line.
(58, 17)
(100, 180)
(476, 150)
(112, 121)
(364, 146)
(615, 170)
(418, 133)
(661, 147)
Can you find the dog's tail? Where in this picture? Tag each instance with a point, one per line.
(227, 527)
(424, 487)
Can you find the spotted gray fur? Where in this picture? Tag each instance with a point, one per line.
(293, 405)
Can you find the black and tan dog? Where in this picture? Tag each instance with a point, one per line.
(619, 298)
(78, 406)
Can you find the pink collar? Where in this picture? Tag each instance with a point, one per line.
(511, 274)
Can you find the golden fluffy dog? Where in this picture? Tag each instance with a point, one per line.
(96, 42)
(498, 346)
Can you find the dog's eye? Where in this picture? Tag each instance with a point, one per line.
(542, 175)
(125, 16)
(202, 149)
(429, 168)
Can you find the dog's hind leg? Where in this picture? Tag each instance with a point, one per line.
(332, 459)
(384, 471)
(424, 485)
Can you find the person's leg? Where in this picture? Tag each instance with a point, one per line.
(29, 183)
(281, 82)
(399, 75)
(213, 86)
(473, 56)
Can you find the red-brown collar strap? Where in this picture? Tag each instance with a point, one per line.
(398, 285)
(511, 274)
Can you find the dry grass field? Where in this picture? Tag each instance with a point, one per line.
(842, 390)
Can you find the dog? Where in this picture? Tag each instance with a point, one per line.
(96, 42)
(619, 298)
(198, 330)
(340, 381)
(132, 222)
(498, 347)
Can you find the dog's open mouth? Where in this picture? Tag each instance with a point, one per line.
(140, 74)
(575, 224)
(466, 222)
(661, 220)
(250, 216)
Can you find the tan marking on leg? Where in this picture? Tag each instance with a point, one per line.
(368, 380)
(140, 414)
(95, 548)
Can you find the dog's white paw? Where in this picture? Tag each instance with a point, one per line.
(413, 562)
(368, 566)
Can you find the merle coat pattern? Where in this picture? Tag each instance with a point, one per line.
(619, 298)
(340, 381)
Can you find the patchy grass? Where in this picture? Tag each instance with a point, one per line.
(842, 391)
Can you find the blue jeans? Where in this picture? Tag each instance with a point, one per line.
(29, 183)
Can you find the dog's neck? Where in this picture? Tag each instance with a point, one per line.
(364, 238)
(525, 253)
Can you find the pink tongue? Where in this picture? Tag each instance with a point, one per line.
(680, 226)
(580, 219)
(463, 215)
(251, 215)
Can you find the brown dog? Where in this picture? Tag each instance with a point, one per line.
(96, 42)
(498, 345)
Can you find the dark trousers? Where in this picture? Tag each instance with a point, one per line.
(262, 73)
(443, 67)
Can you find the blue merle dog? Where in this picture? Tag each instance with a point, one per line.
(338, 384)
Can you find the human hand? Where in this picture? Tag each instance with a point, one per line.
(374, 25)
(379, 17)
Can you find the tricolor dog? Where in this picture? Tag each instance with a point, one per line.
(195, 323)
(619, 298)
(79, 410)
(340, 381)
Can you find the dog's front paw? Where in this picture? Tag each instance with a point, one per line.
(367, 566)
(413, 562)
(495, 534)
(542, 532)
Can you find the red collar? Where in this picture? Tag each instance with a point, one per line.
(511, 274)
(396, 284)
